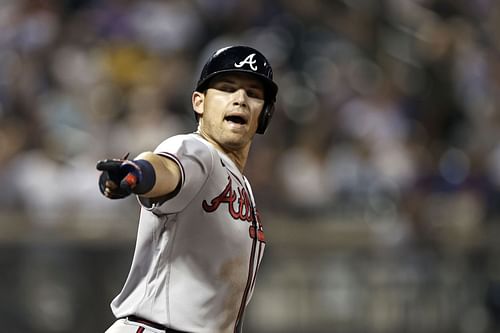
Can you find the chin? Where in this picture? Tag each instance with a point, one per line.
(233, 145)
(236, 141)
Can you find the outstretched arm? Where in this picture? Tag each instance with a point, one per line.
(149, 175)
(167, 174)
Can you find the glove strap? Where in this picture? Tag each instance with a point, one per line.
(148, 179)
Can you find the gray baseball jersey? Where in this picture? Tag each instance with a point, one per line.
(197, 252)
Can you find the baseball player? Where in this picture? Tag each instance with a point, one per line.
(200, 240)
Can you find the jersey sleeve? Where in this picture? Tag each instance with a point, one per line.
(195, 161)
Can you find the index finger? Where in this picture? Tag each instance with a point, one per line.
(110, 164)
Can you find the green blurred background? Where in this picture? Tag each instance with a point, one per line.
(378, 179)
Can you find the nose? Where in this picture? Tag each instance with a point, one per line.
(241, 97)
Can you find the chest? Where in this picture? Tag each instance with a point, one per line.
(227, 205)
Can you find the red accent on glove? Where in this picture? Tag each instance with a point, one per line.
(131, 180)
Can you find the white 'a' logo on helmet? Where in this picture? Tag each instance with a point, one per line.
(248, 60)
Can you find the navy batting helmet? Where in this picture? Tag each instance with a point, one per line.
(247, 60)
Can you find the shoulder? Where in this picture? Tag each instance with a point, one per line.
(187, 146)
(183, 143)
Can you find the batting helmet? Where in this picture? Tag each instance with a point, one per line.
(246, 60)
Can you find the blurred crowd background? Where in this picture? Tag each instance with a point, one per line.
(378, 178)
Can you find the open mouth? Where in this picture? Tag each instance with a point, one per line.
(236, 119)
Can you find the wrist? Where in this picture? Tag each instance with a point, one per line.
(146, 177)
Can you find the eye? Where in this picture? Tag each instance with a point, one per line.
(226, 87)
(255, 93)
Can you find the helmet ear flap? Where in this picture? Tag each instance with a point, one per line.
(265, 117)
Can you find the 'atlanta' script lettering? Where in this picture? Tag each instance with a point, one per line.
(229, 197)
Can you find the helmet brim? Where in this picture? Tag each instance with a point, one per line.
(270, 88)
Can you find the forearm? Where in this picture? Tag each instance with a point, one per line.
(166, 172)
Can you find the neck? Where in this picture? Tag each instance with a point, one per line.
(238, 155)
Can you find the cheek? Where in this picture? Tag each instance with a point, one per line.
(215, 104)
(211, 110)
(256, 110)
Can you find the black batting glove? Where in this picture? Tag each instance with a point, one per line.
(118, 178)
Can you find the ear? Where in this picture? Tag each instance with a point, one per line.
(197, 100)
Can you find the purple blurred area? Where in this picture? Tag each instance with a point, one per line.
(378, 179)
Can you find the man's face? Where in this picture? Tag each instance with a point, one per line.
(229, 110)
